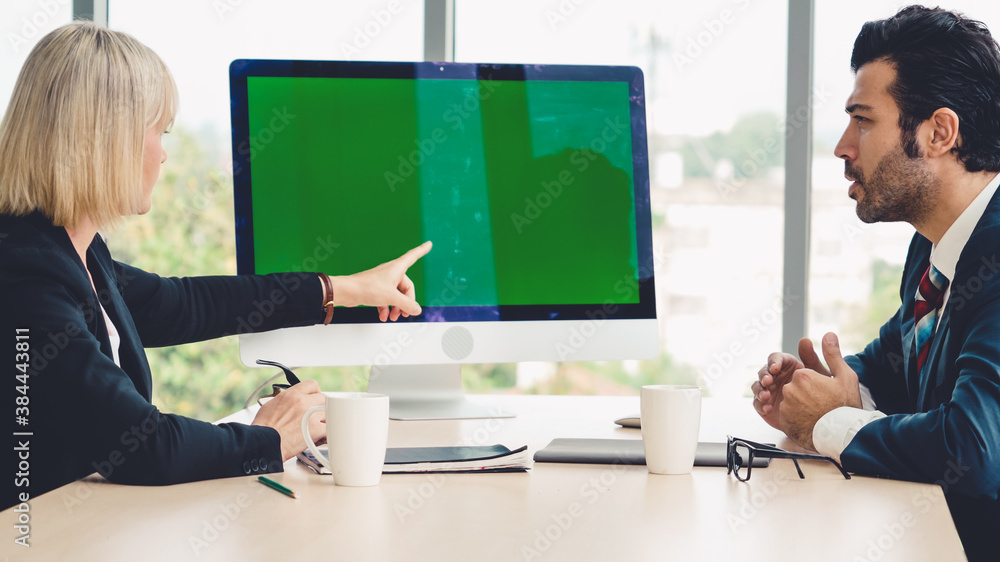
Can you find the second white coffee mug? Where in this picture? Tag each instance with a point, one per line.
(357, 432)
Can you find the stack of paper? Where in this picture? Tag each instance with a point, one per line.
(492, 458)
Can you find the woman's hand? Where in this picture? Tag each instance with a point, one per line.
(284, 414)
(385, 286)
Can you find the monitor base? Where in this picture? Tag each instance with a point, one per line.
(427, 392)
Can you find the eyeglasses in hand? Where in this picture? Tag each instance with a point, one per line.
(740, 454)
(276, 387)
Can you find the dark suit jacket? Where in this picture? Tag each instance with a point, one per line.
(944, 425)
(84, 412)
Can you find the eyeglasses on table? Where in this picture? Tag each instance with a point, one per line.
(740, 454)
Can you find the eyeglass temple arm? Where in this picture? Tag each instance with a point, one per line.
(781, 454)
(289, 375)
(759, 445)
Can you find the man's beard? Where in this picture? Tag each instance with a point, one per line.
(900, 189)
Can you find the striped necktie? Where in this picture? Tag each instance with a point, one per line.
(930, 293)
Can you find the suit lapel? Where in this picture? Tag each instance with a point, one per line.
(130, 351)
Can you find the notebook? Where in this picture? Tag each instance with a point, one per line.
(490, 458)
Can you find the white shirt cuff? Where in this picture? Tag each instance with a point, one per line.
(835, 430)
(867, 402)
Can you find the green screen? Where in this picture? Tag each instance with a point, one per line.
(525, 187)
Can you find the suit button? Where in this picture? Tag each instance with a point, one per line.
(246, 467)
(254, 466)
(263, 464)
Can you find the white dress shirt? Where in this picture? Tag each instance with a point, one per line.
(835, 430)
(113, 335)
(116, 340)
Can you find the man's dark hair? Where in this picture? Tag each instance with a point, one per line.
(942, 59)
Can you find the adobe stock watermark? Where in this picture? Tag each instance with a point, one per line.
(30, 27)
(324, 250)
(422, 494)
(211, 528)
(852, 231)
(965, 292)
(425, 147)
(22, 484)
(559, 524)
(81, 491)
(483, 434)
(581, 159)
(366, 33)
(215, 185)
(759, 158)
(752, 329)
(42, 354)
(418, 496)
(561, 12)
(223, 517)
(130, 440)
(225, 7)
(890, 534)
(408, 166)
(257, 143)
(626, 287)
(391, 350)
(696, 46)
(761, 493)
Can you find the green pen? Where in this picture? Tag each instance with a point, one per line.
(272, 484)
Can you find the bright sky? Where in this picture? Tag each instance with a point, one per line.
(700, 43)
(713, 60)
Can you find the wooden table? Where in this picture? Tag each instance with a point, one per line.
(552, 512)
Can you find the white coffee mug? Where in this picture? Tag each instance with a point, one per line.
(671, 417)
(357, 431)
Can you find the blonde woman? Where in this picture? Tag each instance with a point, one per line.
(79, 150)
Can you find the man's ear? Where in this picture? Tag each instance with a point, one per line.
(940, 131)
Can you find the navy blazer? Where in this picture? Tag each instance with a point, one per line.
(85, 413)
(944, 424)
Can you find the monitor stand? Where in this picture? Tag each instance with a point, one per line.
(427, 392)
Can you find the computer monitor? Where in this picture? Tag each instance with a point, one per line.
(532, 182)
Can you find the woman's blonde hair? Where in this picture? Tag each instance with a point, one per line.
(72, 138)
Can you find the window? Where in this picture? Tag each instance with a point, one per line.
(715, 88)
(22, 24)
(198, 40)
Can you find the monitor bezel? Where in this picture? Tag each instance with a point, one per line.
(241, 69)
